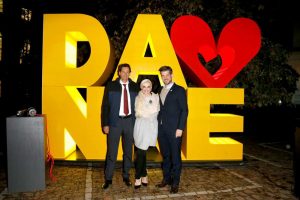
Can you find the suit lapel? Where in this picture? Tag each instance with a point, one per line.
(159, 91)
(169, 93)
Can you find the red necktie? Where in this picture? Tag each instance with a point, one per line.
(126, 110)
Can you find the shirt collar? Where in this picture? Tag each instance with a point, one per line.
(169, 85)
(121, 82)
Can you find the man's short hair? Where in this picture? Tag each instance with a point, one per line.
(121, 66)
(166, 68)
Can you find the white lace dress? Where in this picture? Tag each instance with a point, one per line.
(146, 125)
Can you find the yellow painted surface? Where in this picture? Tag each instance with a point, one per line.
(72, 120)
(70, 145)
(150, 29)
(60, 35)
(69, 116)
(63, 113)
(198, 145)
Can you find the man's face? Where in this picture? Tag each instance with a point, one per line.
(124, 74)
(166, 77)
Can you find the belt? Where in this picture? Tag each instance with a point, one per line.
(124, 117)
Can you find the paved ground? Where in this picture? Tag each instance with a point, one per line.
(266, 173)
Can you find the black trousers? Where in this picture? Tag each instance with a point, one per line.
(125, 129)
(170, 148)
(140, 163)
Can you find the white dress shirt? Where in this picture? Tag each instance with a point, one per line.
(165, 90)
(121, 112)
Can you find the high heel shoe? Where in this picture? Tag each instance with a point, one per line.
(137, 183)
(145, 181)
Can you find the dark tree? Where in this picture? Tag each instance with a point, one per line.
(267, 79)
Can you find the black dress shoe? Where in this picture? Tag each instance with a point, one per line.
(127, 181)
(145, 184)
(106, 184)
(162, 184)
(174, 189)
(137, 186)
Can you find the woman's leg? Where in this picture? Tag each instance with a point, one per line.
(144, 166)
(144, 169)
(139, 163)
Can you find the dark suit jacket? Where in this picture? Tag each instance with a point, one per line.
(111, 101)
(173, 114)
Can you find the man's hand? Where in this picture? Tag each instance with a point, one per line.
(106, 129)
(178, 133)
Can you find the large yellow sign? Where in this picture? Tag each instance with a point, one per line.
(73, 121)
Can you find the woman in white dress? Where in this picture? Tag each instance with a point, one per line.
(145, 129)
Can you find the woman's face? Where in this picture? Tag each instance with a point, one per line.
(146, 88)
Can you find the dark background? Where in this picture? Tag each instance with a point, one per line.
(21, 63)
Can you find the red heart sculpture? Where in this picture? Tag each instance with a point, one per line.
(238, 43)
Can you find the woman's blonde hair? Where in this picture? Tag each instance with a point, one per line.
(145, 81)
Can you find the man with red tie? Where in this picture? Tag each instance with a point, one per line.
(117, 120)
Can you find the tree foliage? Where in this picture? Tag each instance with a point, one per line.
(267, 79)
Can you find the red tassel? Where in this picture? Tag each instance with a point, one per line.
(50, 159)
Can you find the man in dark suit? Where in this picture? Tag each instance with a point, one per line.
(117, 119)
(172, 120)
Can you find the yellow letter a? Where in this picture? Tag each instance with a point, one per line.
(149, 31)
